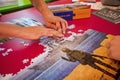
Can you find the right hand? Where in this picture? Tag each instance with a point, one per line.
(56, 23)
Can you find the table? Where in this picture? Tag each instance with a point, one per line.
(13, 62)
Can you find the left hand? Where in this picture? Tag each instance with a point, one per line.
(56, 23)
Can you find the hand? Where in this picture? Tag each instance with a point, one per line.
(56, 23)
(114, 50)
(51, 21)
(37, 32)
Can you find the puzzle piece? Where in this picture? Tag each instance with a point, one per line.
(7, 52)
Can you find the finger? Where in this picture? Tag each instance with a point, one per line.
(48, 33)
(58, 25)
(57, 34)
(54, 33)
(50, 25)
(113, 55)
(64, 26)
(60, 30)
(110, 52)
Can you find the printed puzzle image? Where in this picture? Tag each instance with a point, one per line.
(109, 14)
(74, 57)
(100, 66)
(88, 60)
(51, 47)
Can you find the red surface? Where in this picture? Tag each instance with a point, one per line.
(12, 63)
(97, 23)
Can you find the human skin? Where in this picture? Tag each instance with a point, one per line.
(55, 26)
(114, 49)
(51, 21)
(32, 32)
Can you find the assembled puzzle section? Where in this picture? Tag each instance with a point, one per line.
(71, 11)
(51, 55)
(101, 69)
(63, 68)
(37, 63)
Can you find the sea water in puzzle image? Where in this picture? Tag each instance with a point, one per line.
(80, 55)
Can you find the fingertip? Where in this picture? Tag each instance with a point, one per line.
(63, 28)
(58, 25)
(53, 26)
(59, 30)
(66, 23)
(60, 35)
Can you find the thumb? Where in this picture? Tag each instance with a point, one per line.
(57, 34)
(54, 33)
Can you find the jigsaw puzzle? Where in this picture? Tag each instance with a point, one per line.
(104, 68)
(53, 64)
(49, 56)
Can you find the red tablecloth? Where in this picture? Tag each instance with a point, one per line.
(12, 63)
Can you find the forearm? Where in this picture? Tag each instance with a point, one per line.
(42, 7)
(10, 30)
